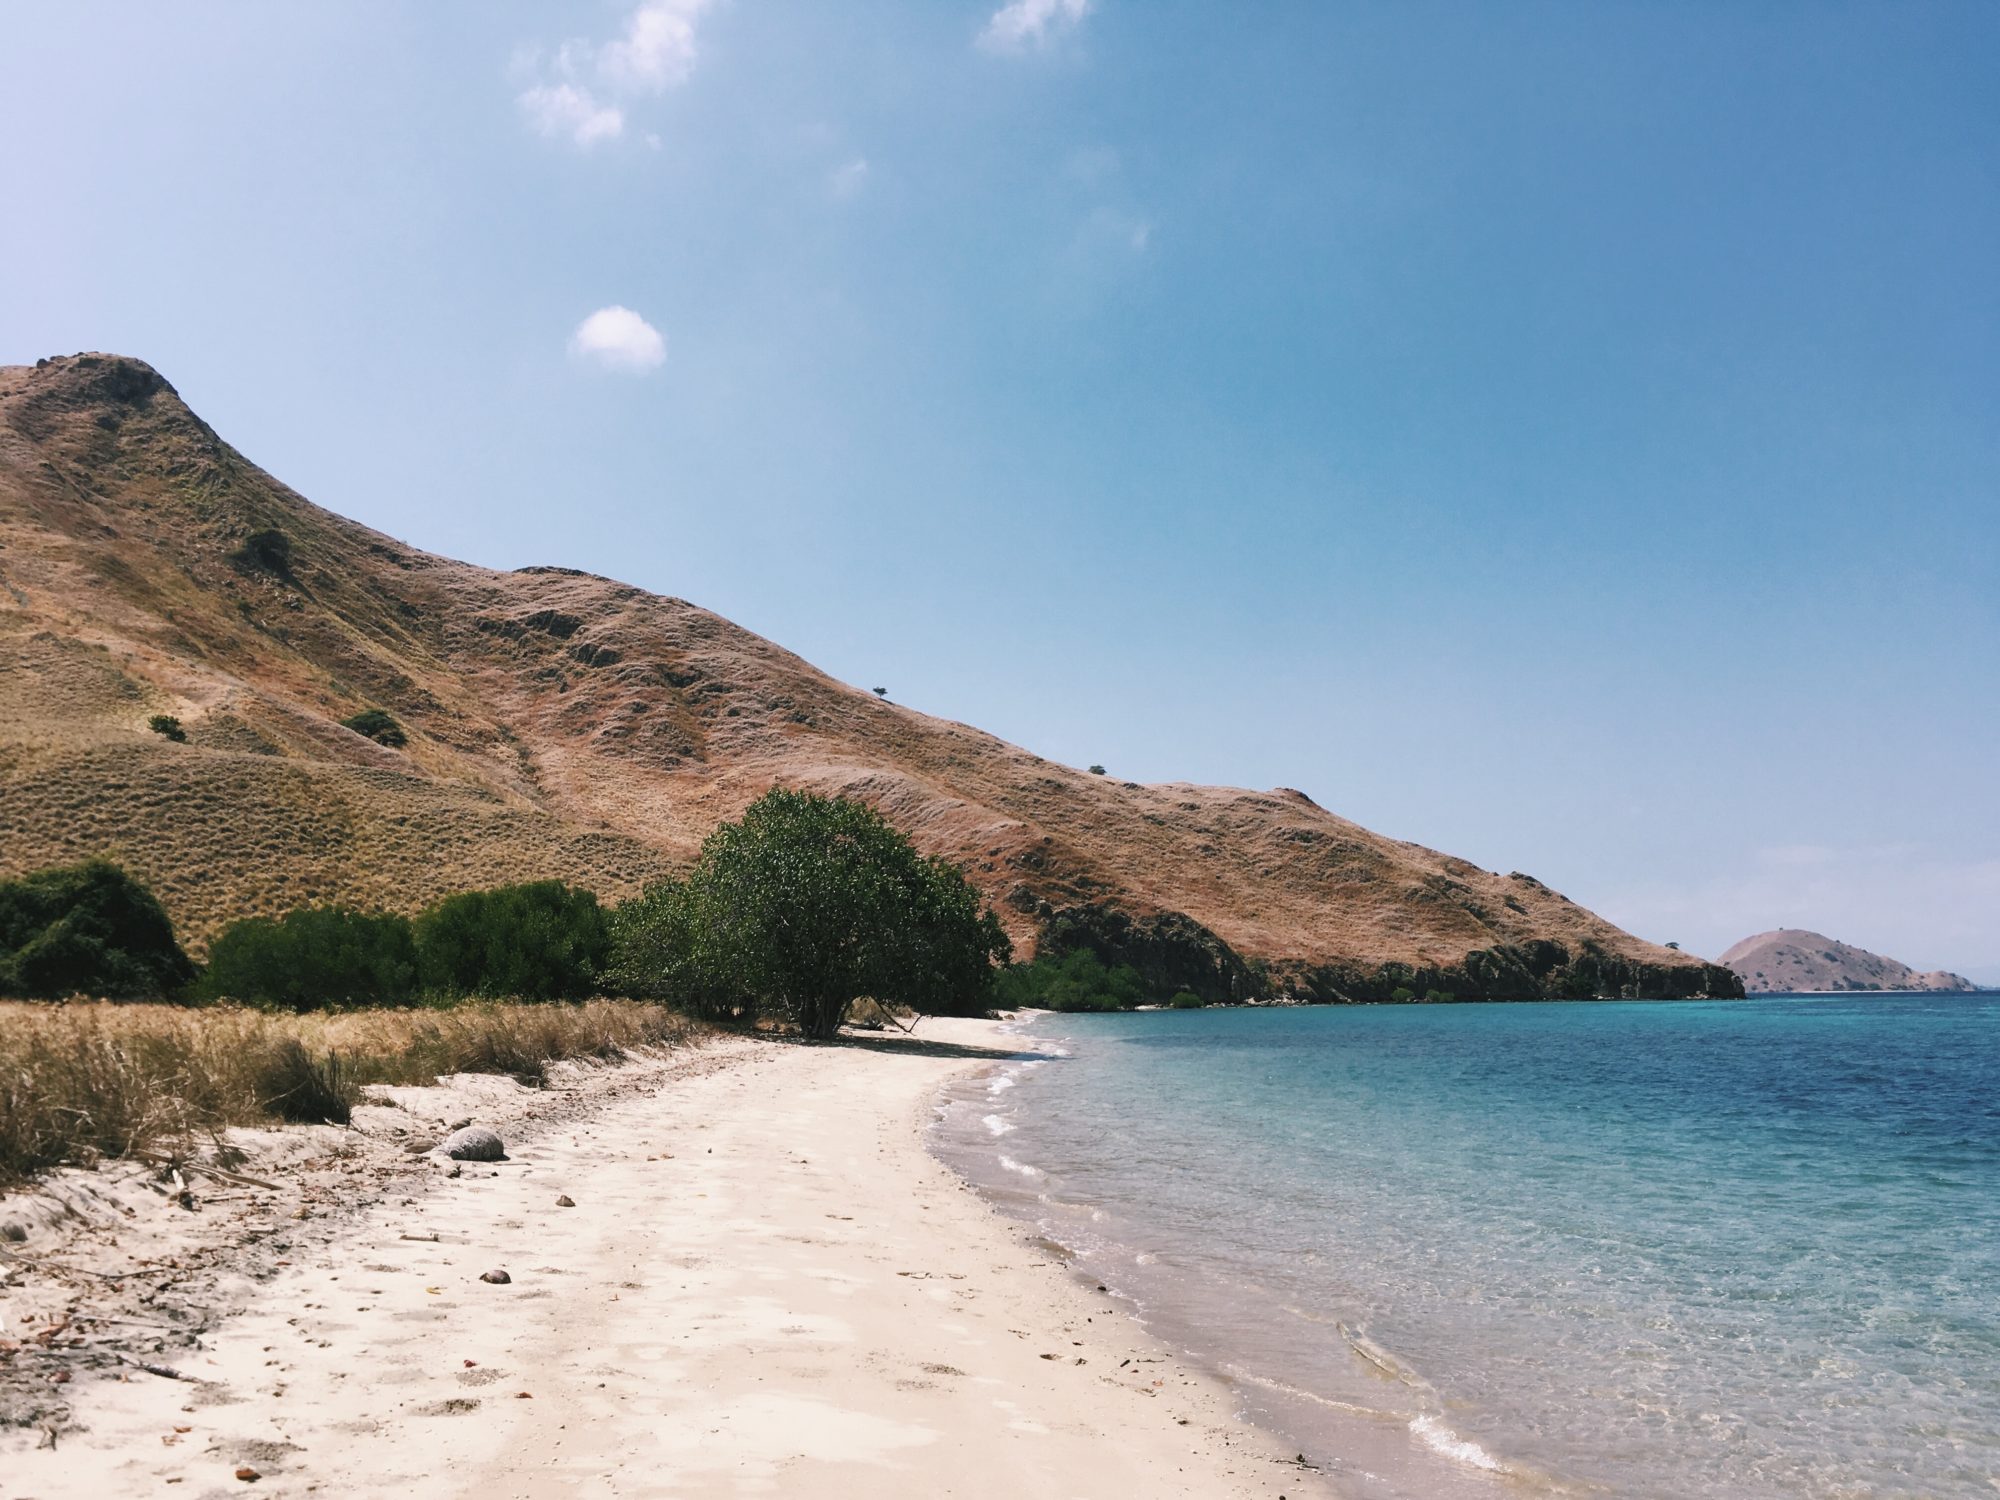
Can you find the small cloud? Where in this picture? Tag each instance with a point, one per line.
(564, 109)
(847, 179)
(658, 48)
(619, 339)
(1027, 25)
(583, 88)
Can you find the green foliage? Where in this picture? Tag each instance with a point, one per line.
(306, 1090)
(87, 929)
(1078, 980)
(540, 941)
(1439, 997)
(806, 905)
(1186, 1000)
(378, 725)
(1402, 992)
(314, 957)
(167, 725)
(269, 550)
(1097, 770)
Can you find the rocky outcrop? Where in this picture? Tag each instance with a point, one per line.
(1170, 951)
(1541, 970)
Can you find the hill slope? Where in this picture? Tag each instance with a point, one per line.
(566, 725)
(1794, 961)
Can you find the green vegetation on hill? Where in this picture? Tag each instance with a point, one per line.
(801, 908)
(379, 725)
(87, 929)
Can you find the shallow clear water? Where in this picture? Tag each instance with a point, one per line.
(1745, 1248)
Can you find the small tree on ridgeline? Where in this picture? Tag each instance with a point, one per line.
(539, 941)
(87, 929)
(801, 908)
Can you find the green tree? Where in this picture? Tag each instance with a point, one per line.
(1073, 981)
(87, 929)
(314, 957)
(804, 906)
(539, 941)
(168, 725)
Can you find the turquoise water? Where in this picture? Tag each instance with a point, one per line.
(1745, 1248)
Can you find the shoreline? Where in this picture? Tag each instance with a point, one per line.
(767, 1284)
(1362, 1451)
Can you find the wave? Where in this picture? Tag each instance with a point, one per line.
(1441, 1439)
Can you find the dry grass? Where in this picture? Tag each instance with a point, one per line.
(80, 1082)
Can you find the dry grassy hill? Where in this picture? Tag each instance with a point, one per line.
(562, 724)
(1796, 962)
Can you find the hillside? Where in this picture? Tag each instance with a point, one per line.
(1796, 962)
(562, 724)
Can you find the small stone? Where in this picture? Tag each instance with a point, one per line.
(456, 1171)
(495, 1277)
(13, 1232)
(473, 1143)
(248, 1474)
(461, 1124)
(565, 1201)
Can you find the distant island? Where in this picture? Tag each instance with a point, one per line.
(1794, 961)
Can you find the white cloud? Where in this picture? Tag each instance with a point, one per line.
(565, 109)
(658, 48)
(619, 339)
(585, 88)
(1022, 25)
(847, 179)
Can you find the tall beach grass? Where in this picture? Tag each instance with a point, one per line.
(81, 1082)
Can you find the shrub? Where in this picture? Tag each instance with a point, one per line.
(87, 929)
(312, 958)
(269, 550)
(378, 725)
(1186, 1000)
(296, 1086)
(1076, 981)
(1402, 992)
(804, 906)
(168, 725)
(540, 941)
(1097, 770)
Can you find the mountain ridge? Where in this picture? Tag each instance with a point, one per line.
(560, 723)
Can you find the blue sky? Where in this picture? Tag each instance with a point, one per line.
(1563, 434)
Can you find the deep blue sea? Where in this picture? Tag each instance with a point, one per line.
(1734, 1248)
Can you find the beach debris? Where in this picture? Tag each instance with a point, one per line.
(429, 1239)
(495, 1277)
(456, 1171)
(524, 1395)
(460, 1124)
(473, 1143)
(165, 1372)
(565, 1201)
(248, 1475)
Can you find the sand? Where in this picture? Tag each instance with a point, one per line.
(766, 1286)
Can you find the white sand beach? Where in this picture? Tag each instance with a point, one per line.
(766, 1286)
